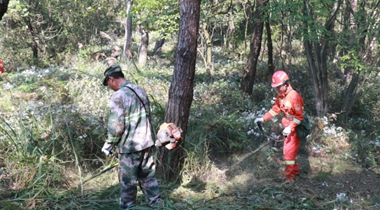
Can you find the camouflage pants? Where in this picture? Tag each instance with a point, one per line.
(137, 168)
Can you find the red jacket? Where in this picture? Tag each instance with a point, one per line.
(291, 104)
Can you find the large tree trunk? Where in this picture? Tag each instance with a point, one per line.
(128, 32)
(3, 8)
(317, 57)
(143, 49)
(182, 87)
(255, 47)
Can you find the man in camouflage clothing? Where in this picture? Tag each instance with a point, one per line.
(129, 128)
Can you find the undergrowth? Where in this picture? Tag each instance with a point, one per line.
(52, 127)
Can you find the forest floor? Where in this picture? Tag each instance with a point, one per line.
(325, 182)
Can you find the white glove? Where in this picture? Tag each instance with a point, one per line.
(286, 131)
(259, 120)
(107, 148)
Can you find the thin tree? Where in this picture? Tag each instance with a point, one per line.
(159, 43)
(255, 47)
(128, 31)
(316, 52)
(271, 66)
(143, 49)
(182, 86)
(361, 27)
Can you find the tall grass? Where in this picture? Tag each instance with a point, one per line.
(53, 125)
(47, 126)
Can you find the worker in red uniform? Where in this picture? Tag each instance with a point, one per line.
(1, 67)
(290, 103)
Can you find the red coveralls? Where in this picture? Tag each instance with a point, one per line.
(1, 67)
(291, 104)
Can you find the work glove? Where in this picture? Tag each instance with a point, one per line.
(287, 131)
(259, 120)
(107, 148)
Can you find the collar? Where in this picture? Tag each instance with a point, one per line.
(124, 84)
(290, 88)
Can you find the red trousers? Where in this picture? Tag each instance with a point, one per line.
(291, 146)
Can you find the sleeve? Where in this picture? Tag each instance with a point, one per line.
(115, 127)
(275, 110)
(296, 110)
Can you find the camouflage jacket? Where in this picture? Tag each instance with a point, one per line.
(128, 123)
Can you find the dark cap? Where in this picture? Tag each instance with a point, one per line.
(110, 70)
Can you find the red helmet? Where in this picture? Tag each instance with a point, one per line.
(279, 78)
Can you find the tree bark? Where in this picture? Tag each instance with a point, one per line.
(158, 45)
(143, 49)
(255, 47)
(350, 96)
(128, 31)
(35, 44)
(208, 52)
(351, 9)
(231, 29)
(3, 7)
(182, 87)
(355, 76)
(317, 57)
(270, 51)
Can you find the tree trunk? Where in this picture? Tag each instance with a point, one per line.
(350, 96)
(351, 9)
(208, 48)
(3, 7)
(35, 40)
(247, 15)
(355, 77)
(255, 47)
(289, 46)
(182, 87)
(143, 49)
(270, 51)
(158, 45)
(317, 57)
(208, 51)
(351, 78)
(128, 32)
(231, 29)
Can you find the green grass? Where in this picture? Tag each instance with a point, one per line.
(52, 127)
